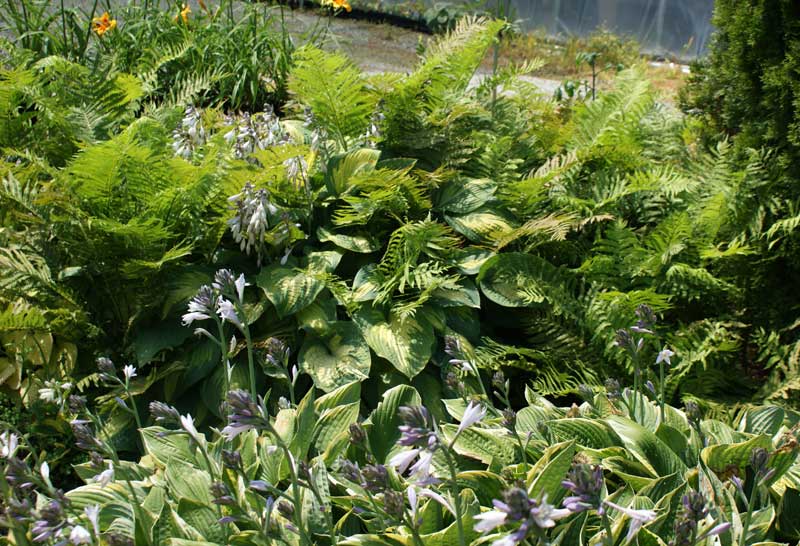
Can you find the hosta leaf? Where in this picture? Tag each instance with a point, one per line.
(646, 447)
(461, 196)
(407, 344)
(485, 445)
(720, 458)
(549, 471)
(188, 482)
(166, 448)
(469, 260)
(517, 280)
(288, 290)
(203, 518)
(466, 296)
(481, 225)
(449, 535)
(363, 244)
(332, 425)
(762, 420)
(346, 394)
(384, 420)
(486, 485)
(589, 433)
(340, 357)
(789, 508)
(341, 168)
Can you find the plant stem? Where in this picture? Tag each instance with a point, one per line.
(609, 538)
(747, 518)
(456, 496)
(662, 390)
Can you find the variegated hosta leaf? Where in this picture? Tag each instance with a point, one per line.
(339, 357)
(407, 344)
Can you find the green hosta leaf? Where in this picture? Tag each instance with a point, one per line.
(203, 518)
(384, 420)
(166, 448)
(346, 394)
(486, 485)
(287, 289)
(318, 316)
(469, 260)
(363, 244)
(517, 280)
(586, 432)
(646, 447)
(462, 196)
(789, 508)
(762, 420)
(188, 482)
(341, 168)
(549, 471)
(149, 342)
(385, 539)
(485, 445)
(407, 344)
(482, 225)
(466, 296)
(305, 418)
(340, 357)
(331, 433)
(290, 290)
(719, 458)
(449, 535)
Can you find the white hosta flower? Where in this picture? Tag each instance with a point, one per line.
(421, 470)
(227, 312)
(402, 460)
(187, 424)
(105, 477)
(232, 431)
(129, 372)
(489, 521)
(9, 443)
(664, 355)
(438, 498)
(240, 284)
(473, 414)
(45, 471)
(80, 535)
(93, 513)
(545, 515)
(638, 518)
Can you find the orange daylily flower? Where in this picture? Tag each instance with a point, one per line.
(184, 14)
(342, 4)
(104, 23)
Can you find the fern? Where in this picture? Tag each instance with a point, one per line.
(335, 90)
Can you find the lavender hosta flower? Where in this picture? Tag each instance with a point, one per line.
(187, 424)
(416, 429)
(244, 414)
(50, 523)
(106, 366)
(164, 414)
(394, 504)
(694, 510)
(202, 306)
(637, 518)
(85, 438)
(278, 352)
(586, 485)
(518, 510)
(232, 460)
(613, 389)
(18, 475)
(472, 415)
(376, 478)
(221, 494)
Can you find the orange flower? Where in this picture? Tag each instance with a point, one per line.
(184, 14)
(342, 4)
(104, 23)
